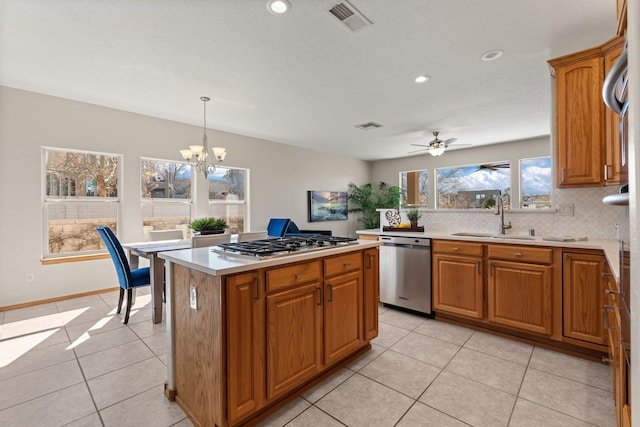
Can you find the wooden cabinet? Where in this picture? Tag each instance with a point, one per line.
(612, 312)
(294, 337)
(582, 297)
(519, 290)
(371, 292)
(579, 119)
(457, 278)
(585, 132)
(254, 339)
(245, 344)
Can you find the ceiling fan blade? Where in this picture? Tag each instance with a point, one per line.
(426, 150)
(449, 141)
(421, 145)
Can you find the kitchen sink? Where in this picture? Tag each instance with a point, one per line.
(493, 236)
(473, 234)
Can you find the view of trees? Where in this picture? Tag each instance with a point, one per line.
(77, 174)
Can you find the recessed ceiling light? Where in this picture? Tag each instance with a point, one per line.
(278, 7)
(491, 55)
(422, 79)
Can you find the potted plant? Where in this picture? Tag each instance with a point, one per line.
(367, 199)
(413, 215)
(208, 225)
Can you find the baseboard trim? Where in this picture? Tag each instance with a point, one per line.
(48, 300)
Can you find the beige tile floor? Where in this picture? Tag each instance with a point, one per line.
(73, 363)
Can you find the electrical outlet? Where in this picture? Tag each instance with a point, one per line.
(565, 210)
(29, 277)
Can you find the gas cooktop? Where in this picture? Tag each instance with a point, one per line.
(282, 246)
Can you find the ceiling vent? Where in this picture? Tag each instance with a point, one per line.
(369, 126)
(349, 16)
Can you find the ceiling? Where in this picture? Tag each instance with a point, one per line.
(304, 78)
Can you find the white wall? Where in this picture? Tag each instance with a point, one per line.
(280, 177)
(591, 218)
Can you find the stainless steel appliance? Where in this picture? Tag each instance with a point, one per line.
(615, 95)
(281, 246)
(405, 273)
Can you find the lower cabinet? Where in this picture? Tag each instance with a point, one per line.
(245, 344)
(371, 293)
(285, 325)
(294, 337)
(520, 296)
(582, 297)
(457, 278)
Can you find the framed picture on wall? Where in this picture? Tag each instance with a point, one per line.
(327, 205)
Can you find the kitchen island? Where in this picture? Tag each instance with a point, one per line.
(246, 336)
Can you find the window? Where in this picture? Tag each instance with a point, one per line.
(166, 195)
(415, 187)
(81, 191)
(474, 186)
(535, 183)
(228, 197)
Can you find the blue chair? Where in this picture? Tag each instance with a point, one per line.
(293, 230)
(128, 279)
(277, 227)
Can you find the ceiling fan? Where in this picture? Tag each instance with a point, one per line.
(437, 146)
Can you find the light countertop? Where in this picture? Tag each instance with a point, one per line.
(609, 247)
(210, 262)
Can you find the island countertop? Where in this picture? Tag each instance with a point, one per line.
(216, 264)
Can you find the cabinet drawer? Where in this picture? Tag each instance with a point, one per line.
(520, 253)
(457, 248)
(292, 275)
(342, 264)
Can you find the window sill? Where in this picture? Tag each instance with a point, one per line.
(77, 258)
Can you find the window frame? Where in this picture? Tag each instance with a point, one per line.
(436, 191)
(520, 187)
(245, 202)
(48, 201)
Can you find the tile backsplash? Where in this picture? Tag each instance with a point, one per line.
(590, 217)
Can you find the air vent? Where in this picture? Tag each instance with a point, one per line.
(369, 126)
(349, 16)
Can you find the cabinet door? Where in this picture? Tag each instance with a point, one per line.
(371, 293)
(580, 123)
(457, 285)
(613, 160)
(294, 337)
(343, 330)
(582, 297)
(520, 296)
(245, 344)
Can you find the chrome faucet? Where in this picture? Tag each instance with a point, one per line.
(500, 211)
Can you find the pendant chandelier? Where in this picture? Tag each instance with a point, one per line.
(198, 155)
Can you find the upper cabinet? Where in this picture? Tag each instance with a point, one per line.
(587, 136)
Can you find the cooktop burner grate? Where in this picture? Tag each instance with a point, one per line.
(281, 246)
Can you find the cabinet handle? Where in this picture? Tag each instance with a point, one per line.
(299, 276)
(479, 270)
(562, 175)
(606, 172)
(455, 249)
(611, 292)
(330, 286)
(605, 314)
(257, 282)
(606, 359)
(319, 288)
(517, 253)
(346, 264)
(369, 260)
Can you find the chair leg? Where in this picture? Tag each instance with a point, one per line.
(129, 304)
(120, 300)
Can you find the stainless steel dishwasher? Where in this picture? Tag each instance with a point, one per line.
(405, 273)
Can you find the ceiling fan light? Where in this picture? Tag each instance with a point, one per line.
(422, 79)
(437, 151)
